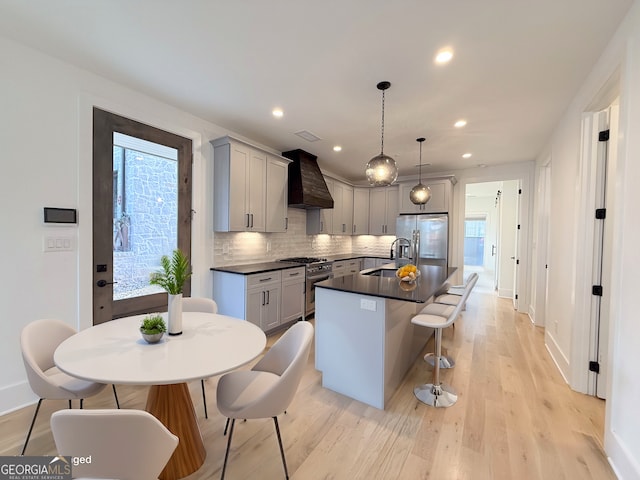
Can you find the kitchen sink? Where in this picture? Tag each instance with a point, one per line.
(381, 272)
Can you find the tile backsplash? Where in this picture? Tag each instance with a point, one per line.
(252, 247)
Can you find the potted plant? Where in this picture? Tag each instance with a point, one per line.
(152, 328)
(175, 272)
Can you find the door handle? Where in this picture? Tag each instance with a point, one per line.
(104, 283)
(493, 250)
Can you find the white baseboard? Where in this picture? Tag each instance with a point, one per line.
(622, 462)
(557, 356)
(16, 396)
(505, 292)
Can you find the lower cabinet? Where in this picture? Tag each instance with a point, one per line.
(342, 268)
(293, 290)
(263, 300)
(268, 299)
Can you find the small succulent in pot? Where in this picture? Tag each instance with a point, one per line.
(152, 328)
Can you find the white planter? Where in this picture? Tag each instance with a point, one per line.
(174, 317)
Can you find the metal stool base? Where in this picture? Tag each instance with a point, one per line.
(445, 360)
(442, 395)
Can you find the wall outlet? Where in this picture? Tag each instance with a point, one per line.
(366, 304)
(268, 247)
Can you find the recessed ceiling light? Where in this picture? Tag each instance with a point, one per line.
(460, 123)
(277, 112)
(466, 155)
(482, 165)
(337, 148)
(444, 56)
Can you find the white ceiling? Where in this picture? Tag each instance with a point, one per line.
(517, 65)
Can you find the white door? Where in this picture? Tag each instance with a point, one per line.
(606, 123)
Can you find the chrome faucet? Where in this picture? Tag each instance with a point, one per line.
(400, 252)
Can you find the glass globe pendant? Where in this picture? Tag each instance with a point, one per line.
(420, 194)
(382, 169)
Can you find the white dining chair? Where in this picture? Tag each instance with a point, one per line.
(205, 305)
(124, 444)
(38, 342)
(269, 387)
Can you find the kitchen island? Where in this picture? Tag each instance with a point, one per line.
(365, 342)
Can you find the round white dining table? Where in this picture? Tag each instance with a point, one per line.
(114, 352)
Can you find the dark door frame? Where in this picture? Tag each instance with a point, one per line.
(104, 126)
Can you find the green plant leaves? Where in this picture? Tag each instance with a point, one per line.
(175, 272)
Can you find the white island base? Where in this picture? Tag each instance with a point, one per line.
(365, 345)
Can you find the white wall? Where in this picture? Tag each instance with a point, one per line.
(566, 326)
(45, 133)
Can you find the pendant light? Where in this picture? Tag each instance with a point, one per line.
(420, 194)
(382, 170)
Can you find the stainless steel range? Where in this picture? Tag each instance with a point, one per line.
(317, 270)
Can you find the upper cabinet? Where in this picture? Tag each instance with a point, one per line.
(342, 209)
(440, 202)
(383, 210)
(337, 220)
(360, 211)
(250, 188)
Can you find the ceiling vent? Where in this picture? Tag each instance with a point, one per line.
(308, 136)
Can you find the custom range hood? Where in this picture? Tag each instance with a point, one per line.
(307, 188)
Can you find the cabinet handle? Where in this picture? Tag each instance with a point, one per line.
(354, 228)
(263, 298)
(247, 225)
(252, 220)
(286, 223)
(294, 274)
(268, 296)
(344, 228)
(321, 226)
(265, 279)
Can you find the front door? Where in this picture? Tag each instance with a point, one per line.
(141, 211)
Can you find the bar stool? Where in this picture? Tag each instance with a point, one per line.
(455, 293)
(440, 310)
(436, 394)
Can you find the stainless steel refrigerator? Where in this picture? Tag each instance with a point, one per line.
(429, 236)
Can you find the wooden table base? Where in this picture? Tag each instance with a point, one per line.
(172, 405)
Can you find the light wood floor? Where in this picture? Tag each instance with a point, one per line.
(515, 419)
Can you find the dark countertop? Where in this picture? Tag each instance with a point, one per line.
(251, 268)
(351, 256)
(430, 281)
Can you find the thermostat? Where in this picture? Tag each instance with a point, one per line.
(60, 215)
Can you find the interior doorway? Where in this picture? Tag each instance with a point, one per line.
(490, 236)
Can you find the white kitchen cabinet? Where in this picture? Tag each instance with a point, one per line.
(276, 195)
(293, 290)
(242, 199)
(342, 208)
(337, 220)
(267, 299)
(383, 210)
(440, 201)
(342, 268)
(360, 211)
(372, 262)
(320, 220)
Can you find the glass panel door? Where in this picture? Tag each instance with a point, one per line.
(145, 212)
(141, 211)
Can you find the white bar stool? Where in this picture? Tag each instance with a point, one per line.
(436, 394)
(440, 310)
